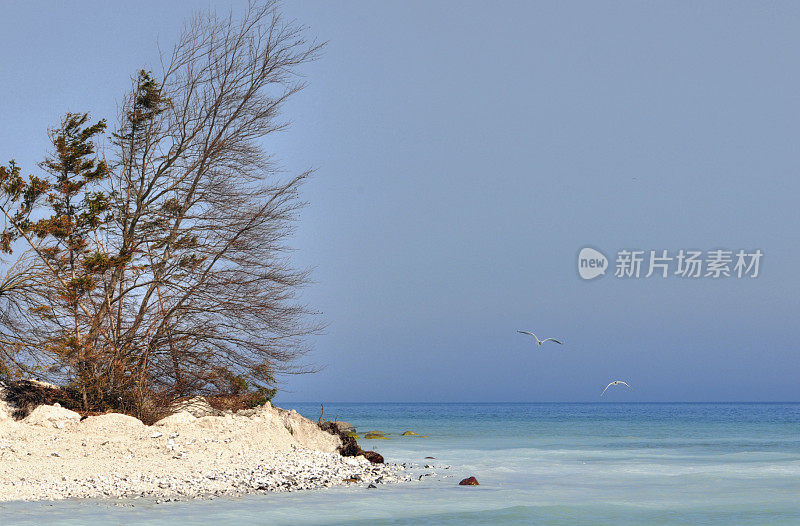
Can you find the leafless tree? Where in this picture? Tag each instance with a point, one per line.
(189, 288)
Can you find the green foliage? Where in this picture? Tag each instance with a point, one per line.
(261, 396)
(147, 104)
(74, 212)
(70, 208)
(237, 384)
(253, 396)
(20, 194)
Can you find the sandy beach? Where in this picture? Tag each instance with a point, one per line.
(52, 454)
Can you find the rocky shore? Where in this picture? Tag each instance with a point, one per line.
(54, 454)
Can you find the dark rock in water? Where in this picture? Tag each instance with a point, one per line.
(372, 486)
(349, 447)
(344, 427)
(432, 458)
(375, 458)
(330, 427)
(471, 481)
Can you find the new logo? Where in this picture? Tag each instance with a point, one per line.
(591, 263)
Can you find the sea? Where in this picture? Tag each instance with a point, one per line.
(548, 463)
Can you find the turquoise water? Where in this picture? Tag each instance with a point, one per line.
(536, 463)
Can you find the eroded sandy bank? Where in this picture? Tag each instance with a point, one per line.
(52, 454)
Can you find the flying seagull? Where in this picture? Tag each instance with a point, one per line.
(616, 382)
(540, 342)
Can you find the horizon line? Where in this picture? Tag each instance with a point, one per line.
(559, 402)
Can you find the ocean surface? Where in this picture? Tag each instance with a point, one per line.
(536, 463)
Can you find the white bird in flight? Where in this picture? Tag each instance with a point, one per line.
(540, 342)
(616, 382)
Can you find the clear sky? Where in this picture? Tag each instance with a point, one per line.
(467, 151)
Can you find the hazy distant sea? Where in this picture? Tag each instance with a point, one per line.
(536, 463)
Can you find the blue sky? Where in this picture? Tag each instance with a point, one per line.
(466, 152)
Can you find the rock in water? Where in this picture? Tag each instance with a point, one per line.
(345, 427)
(375, 458)
(349, 446)
(470, 481)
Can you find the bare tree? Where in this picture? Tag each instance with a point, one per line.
(190, 289)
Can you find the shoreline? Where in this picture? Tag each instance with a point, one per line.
(52, 454)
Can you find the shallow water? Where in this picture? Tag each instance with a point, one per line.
(544, 463)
